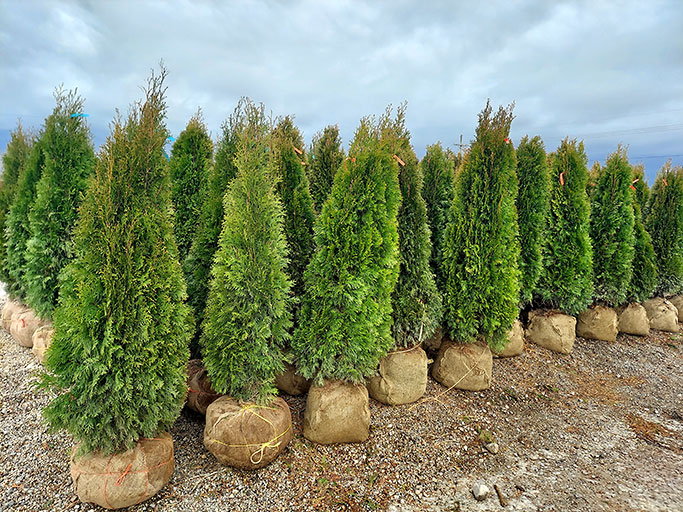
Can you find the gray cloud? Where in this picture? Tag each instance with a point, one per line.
(597, 70)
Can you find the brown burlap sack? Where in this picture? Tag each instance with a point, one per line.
(598, 323)
(433, 343)
(552, 330)
(402, 377)
(291, 382)
(516, 344)
(24, 324)
(465, 366)
(247, 435)
(125, 479)
(11, 308)
(662, 314)
(677, 301)
(41, 341)
(337, 412)
(200, 394)
(633, 320)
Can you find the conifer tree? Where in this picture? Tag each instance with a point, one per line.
(480, 246)
(326, 156)
(292, 187)
(611, 226)
(644, 280)
(438, 193)
(567, 278)
(532, 211)
(69, 162)
(248, 313)
(119, 351)
(197, 265)
(642, 196)
(416, 302)
(14, 160)
(345, 319)
(665, 225)
(189, 164)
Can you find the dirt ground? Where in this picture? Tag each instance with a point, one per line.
(600, 429)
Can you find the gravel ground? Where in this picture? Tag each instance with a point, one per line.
(601, 429)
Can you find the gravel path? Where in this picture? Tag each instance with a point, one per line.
(601, 429)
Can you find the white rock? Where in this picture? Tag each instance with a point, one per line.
(492, 447)
(480, 491)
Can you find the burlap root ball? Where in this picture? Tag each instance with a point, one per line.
(246, 435)
(42, 338)
(433, 343)
(598, 323)
(200, 394)
(337, 412)
(402, 377)
(466, 366)
(677, 301)
(552, 330)
(633, 320)
(12, 307)
(125, 479)
(663, 314)
(515, 346)
(24, 324)
(291, 382)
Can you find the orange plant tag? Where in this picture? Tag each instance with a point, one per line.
(297, 150)
(562, 178)
(665, 183)
(399, 161)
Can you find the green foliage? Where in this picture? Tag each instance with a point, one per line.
(416, 302)
(325, 158)
(14, 160)
(68, 163)
(197, 265)
(248, 311)
(642, 196)
(611, 229)
(567, 278)
(189, 165)
(665, 225)
(292, 187)
(438, 193)
(345, 319)
(533, 202)
(118, 356)
(480, 246)
(644, 280)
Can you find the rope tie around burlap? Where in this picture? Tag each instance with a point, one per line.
(273, 443)
(127, 471)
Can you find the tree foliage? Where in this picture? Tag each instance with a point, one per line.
(248, 313)
(665, 225)
(642, 195)
(438, 193)
(533, 202)
(189, 165)
(567, 278)
(480, 246)
(118, 355)
(68, 163)
(345, 318)
(325, 158)
(611, 226)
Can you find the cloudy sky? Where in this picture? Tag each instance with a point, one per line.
(602, 71)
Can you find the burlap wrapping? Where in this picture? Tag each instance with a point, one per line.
(633, 320)
(337, 412)
(11, 308)
(516, 344)
(598, 323)
(677, 301)
(663, 314)
(122, 480)
(291, 382)
(200, 394)
(247, 436)
(24, 324)
(402, 377)
(552, 330)
(433, 343)
(41, 341)
(463, 366)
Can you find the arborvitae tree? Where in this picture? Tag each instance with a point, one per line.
(197, 265)
(292, 187)
(480, 247)
(611, 228)
(567, 278)
(189, 163)
(533, 202)
(438, 193)
(69, 162)
(118, 355)
(416, 302)
(642, 196)
(665, 225)
(345, 319)
(593, 176)
(248, 313)
(15, 157)
(326, 156)
(644, 280)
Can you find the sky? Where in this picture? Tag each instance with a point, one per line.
(606, 72)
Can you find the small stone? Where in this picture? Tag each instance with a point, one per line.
(492, 448)
(480, 491)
